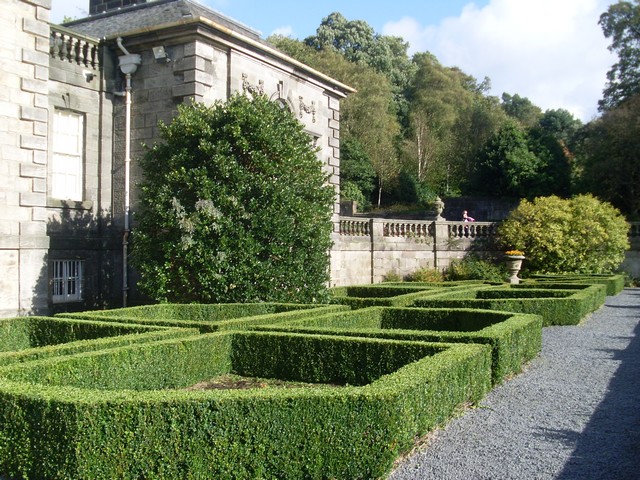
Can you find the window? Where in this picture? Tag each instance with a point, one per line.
(67, 280)
(68, 153)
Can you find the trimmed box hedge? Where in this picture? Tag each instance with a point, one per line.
(393, 295)
(62, 417)
(154, 333)
(208, 317)
(557, 306)
(614, 283)
(21, 333)
(515, 338)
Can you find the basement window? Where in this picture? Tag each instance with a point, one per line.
(67, 280)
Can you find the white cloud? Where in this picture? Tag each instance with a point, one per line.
(286, 31)
(551, 51)
(69, 8)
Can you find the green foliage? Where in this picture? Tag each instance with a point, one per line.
(357, 175)
(581, 235)
(609, 158)
(614, 283)
(521, 109)
(350, 191)
(392, 277)
(358, 43)
(562, 125)
(31, 332)
(473, 268)
(448, 119)
(210, 317)
(506, 164)
(621, 23)
(369, 125)
(514, 338)
(64, 418)
(426, 274)
(566, 307)
(235, 207)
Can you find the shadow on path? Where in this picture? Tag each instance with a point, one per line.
(609, 446)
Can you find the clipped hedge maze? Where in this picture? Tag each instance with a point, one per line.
(557, 306)
(394, 294)
(125, 412)
(208, 317)
(614, 283)
(32, 333)
(514, 338)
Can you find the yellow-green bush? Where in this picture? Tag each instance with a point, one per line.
(578, 235)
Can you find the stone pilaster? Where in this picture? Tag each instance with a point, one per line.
(24, 46)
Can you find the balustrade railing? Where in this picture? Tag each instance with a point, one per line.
(472, 229)
(407, 229)
(350, 226)
(355, 228)
(72, 47)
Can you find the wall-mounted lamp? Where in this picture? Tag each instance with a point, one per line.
(161, 55)
(88, 75)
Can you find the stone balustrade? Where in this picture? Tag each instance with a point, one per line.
(367, 249)
(355, 227)
(408, 228)
(72, 47)
(472, 229)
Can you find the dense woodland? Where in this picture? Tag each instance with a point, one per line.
(417, 129)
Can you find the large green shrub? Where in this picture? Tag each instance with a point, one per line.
(578, 235)
(474, 268)
(235, 208)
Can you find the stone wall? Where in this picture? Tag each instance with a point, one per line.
(205, 69)
(367, 250)
(24, 46)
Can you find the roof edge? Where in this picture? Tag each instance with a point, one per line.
(346, 89)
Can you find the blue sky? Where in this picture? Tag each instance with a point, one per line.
(551, 51)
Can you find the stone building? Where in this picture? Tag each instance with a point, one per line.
(77, 104)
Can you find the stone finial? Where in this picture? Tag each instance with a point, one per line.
(439, 206)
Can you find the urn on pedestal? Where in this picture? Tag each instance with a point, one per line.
(514, 260)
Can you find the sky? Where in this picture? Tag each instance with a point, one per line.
(551, 51)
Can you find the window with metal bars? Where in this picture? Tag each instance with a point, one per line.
(67, 280)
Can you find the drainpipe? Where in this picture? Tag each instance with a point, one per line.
(128, 63)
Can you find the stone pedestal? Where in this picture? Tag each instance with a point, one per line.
(514, 264)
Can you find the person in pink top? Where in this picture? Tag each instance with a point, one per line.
(466, 217)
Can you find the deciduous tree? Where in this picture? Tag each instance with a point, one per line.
(621, 23)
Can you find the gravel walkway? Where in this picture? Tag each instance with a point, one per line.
(574, 414)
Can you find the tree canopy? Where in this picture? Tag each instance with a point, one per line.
(427, 129)
(621, 23)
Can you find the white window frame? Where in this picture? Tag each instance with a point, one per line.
(67, 280)
(67, 161)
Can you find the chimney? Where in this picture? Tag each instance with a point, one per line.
(101, 6)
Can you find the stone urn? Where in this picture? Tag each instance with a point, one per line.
(439, 207)
(514, 264)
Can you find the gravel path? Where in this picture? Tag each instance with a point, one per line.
(574, 414)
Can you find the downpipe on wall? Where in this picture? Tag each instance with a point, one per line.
(128, 64)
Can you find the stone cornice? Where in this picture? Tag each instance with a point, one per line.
(177, 31)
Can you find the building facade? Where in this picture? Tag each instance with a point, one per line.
(77, 105)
